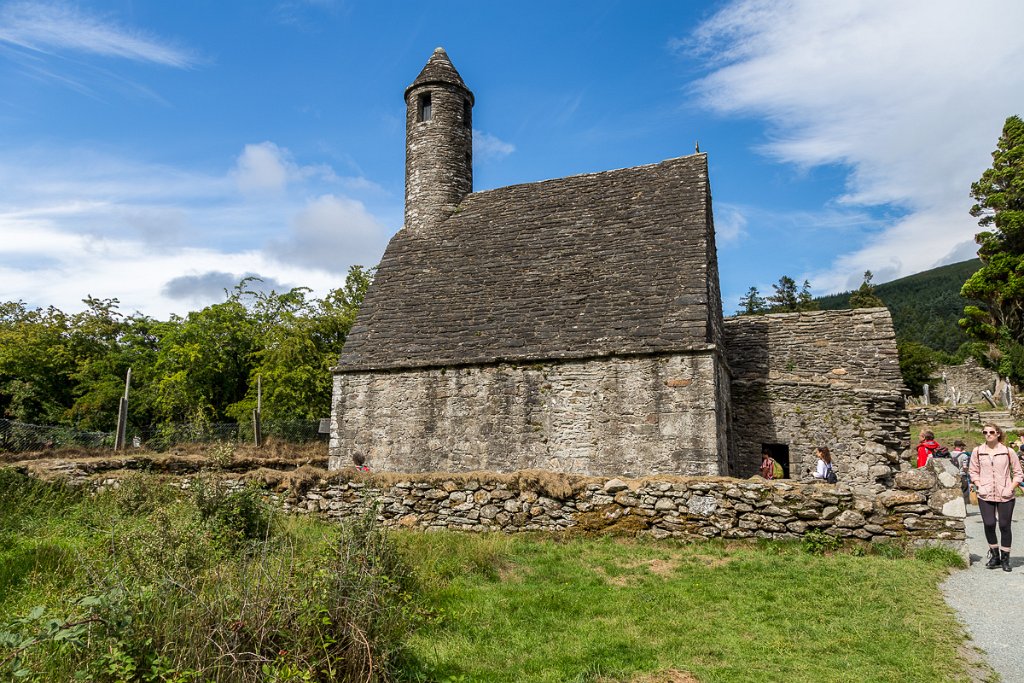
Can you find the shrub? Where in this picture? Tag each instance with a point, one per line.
(817, 542)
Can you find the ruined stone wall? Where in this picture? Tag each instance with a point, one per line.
(630, 416)
(968, 379)
(931, 415)
(823, 378)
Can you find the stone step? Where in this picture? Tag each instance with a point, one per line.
(999, 417)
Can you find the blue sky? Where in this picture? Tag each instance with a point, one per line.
(159, 151)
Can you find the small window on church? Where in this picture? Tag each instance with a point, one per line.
(466, 110)
(423, 110)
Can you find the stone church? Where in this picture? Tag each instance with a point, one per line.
(575, 325)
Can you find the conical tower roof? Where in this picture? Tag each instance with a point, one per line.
(439, 69)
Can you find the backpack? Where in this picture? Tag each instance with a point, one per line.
(779, 473)
(941, 452)
(830, 474)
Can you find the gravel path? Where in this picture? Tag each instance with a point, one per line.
(990, 602)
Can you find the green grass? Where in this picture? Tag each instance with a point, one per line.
(178, 587)
(545, 610)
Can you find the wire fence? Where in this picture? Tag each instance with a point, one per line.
(16, 437)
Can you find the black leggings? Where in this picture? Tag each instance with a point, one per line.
(988, 517)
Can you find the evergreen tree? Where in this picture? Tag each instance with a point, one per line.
(999, 285)
(752, 303)
(784, 300)
(805, 300)
(865, 297)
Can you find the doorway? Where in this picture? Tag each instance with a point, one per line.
(780, 454)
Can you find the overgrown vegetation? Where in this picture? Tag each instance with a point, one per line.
(147, 583)
(150, 583)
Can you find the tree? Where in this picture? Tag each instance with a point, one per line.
(917, 363)
(999, 284)
(787, 299)
(752, 303)
(35, 364)
(204, 360)
(805, 300)
(300, 340)
(865, 296)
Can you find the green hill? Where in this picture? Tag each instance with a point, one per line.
(925, 307)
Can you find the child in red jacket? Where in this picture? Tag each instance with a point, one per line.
(926, 448)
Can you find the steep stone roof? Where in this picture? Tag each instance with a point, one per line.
(439, 69)
(606, 263)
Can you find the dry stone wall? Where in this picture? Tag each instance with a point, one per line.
(929, 415)
(925, 504)
(823, 378)
(619, 416)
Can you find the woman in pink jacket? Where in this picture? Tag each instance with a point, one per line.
(996, 472)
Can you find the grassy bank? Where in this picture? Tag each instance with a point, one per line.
(147, 584)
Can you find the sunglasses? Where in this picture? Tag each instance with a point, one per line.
(988, 431)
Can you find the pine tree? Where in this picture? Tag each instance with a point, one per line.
(865, 297)
(752, 303)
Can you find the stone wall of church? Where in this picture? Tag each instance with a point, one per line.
(823, 378)
(628, 416)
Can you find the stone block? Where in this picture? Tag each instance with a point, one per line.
(702, 506)
(893, 498)
(850, 519)
(613, 486)
(916, 480)
(955, 507)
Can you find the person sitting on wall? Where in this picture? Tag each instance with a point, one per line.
(926, 448)
(824, 470)
(767, 468)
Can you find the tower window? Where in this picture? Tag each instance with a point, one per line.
(466, 109)
(423, 108)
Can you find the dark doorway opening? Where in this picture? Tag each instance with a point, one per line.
(780, 454)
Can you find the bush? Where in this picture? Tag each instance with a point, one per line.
(237, 517)
(818, 543)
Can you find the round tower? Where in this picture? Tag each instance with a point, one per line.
(438, 143)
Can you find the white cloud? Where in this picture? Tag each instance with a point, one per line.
(263, 168)
(487, 146)
(77, 223)
(57, 27)
(730, 224)
(330, 233)
(909, 95)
